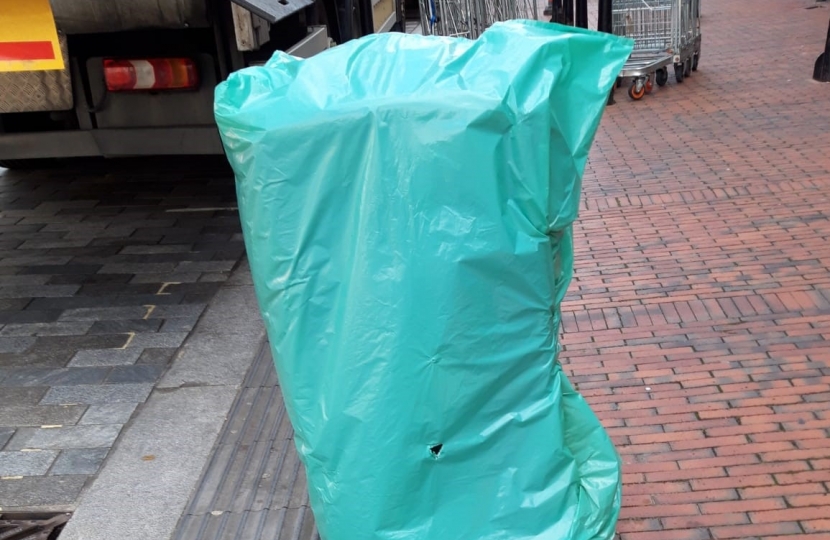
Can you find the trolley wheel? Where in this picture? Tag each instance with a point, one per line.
(662, 76)
(687, 68)
(694, 61)
(637, 91)
(678, 73)
(649, 86)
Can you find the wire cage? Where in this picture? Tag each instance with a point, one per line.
(469, 18)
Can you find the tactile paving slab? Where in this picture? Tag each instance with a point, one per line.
(254, 487)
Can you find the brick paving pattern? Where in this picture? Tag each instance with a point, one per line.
(698, 322)
(102, 276)
(696, 325)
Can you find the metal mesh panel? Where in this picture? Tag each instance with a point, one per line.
(469, 18)
(657, 25)
(647, 22)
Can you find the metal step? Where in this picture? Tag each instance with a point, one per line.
(254, 487)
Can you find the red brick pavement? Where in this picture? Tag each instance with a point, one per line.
(699, 317)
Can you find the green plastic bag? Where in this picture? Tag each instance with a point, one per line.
(407, 204)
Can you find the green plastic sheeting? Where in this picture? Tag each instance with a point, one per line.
(407, 204)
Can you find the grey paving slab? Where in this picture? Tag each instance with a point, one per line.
(70, 279)
(40, 291)
(61, 269)
(47, 329)
(137, 268)
(22, 377)
(64, 242)
(201, 296)
(84, 436)
(242, 274)
(56, 358)
(127, 300)
(5, 435)
(37, 218)
(160, 357)
(40, 415)
(105, 357)
(25, 280)
(97, 394)
(142, 373)
(81, 342)
(150, 221)
(93, 227)
(157, 340)
(215, 277)
(124, 326)
(219, 351)
(13, 304)
(104, 313)
(156, 249)
(56, 351)
(175, 311)
(175, 258)
(108, 289)
(175, 277)
(179, 324)
(171, 439)
(210, 359)
(109, 232)
(109, 413)
(26, 463)
(33, 260)
(22, 396)
(80, 253)
(205, 266)
(239, 313)
(55, 206)
(79, 461)
(16, 344)
(41, 491)
(29, 316)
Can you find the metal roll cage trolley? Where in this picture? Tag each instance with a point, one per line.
(665, 33)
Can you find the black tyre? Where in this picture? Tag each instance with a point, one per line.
(694, 61)
(687, 68)
(661, 77)
(678, 73)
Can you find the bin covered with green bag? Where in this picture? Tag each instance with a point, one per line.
(407, 204)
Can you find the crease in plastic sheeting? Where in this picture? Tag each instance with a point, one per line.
(407, 204)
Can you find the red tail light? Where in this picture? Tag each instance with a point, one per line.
(150, 74)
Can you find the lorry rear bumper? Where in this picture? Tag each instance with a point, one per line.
(111, 143)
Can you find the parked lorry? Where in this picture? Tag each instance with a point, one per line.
(137, 76)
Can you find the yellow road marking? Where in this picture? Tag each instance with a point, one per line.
(129, 340)
(164, 286)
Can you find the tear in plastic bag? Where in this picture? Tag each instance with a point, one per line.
(407, 204)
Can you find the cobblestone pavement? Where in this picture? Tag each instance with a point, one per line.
(104, 270)
(699, 319)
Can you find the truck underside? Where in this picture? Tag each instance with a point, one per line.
(90, 109)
